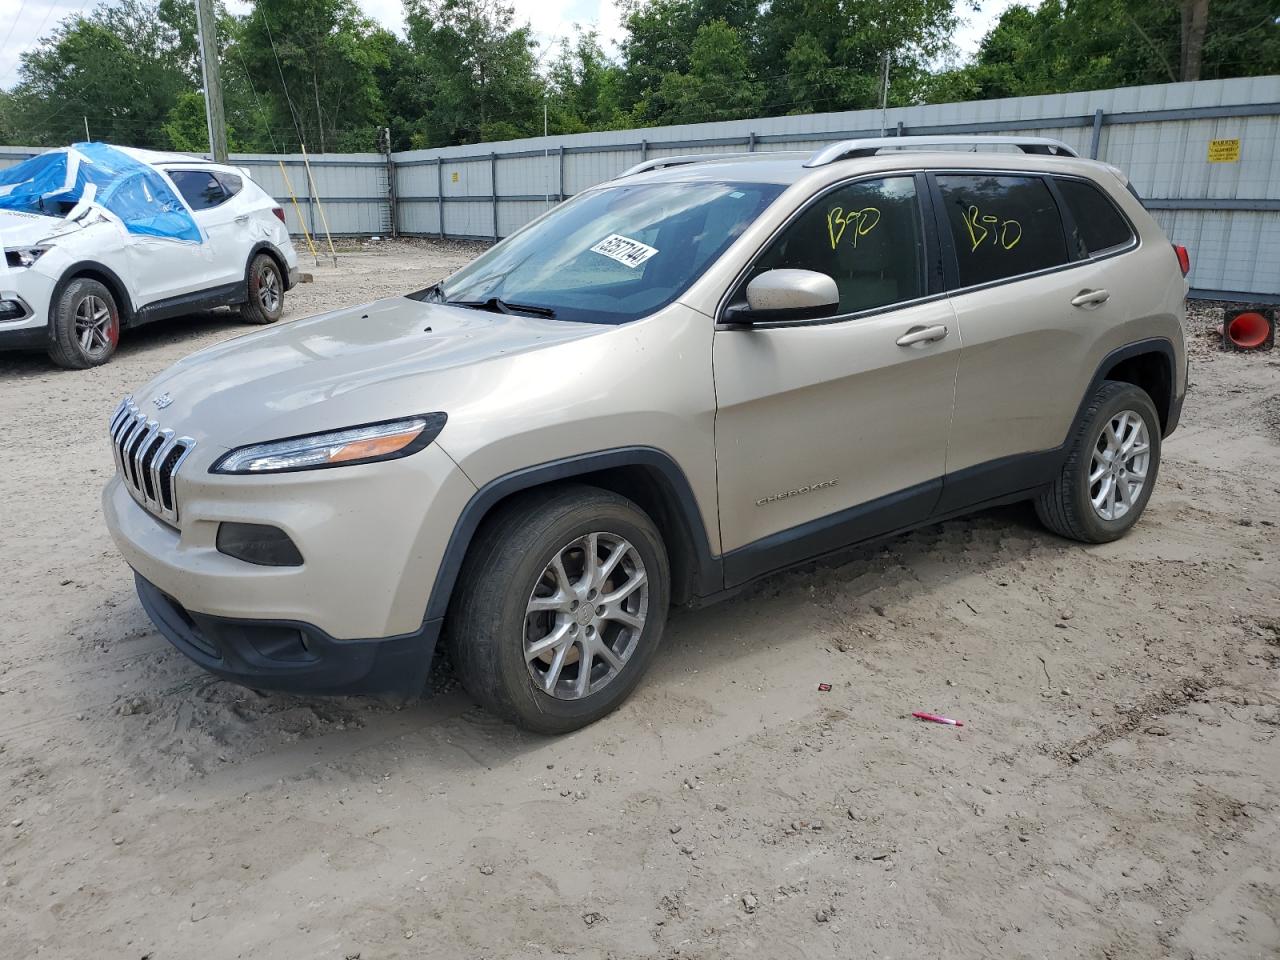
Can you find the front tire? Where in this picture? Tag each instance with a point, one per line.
(560, 607)
(84, 325)
(1112, 461)
(265, 295)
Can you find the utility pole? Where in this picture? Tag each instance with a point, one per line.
(206, 25)
(884, 97)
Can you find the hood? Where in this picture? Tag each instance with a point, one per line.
(27, 229)
(387, 359)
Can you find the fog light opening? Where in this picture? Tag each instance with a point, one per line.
(258, 543)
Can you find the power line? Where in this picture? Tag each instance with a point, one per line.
(280, 68)
(252, 89)
(13, 26)
(38, 37)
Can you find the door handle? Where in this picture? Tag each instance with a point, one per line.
(243, 218)
(1090, 298)
(921, 335)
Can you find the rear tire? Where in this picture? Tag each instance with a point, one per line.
(84, 325)
(1112, 461)
(494, 635)
(265, 294)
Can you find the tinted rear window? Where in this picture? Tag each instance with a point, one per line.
(199, 188)
(1002, 226)
(1099, 224)
(230, 183)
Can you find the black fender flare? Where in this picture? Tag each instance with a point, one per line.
(266, 246)
(710, 577)
(119, 289)
(1161, 345)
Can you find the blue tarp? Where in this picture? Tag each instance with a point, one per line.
(135, 192)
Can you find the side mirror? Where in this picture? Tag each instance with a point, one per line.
(787, 295)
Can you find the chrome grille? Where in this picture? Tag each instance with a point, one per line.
(148, 457)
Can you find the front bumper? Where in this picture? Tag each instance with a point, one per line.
(293, 656)
(33, 290)
(371, 537)
(24, 338)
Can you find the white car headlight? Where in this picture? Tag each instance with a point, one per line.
(387, 440)
(23, 256)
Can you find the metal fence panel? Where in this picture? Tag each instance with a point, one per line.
(1228, 213)
(1159, 135)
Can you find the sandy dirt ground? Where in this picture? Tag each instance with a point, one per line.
(1114, 794)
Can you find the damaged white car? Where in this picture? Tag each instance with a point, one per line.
(98, 238)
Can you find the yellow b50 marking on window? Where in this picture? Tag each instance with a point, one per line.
(1006, 233)
(864, 221)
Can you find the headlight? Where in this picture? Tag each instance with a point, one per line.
(372, 442)
(23, 256)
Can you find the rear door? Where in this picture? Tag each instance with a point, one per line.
(831, 431)
(1029, 307)
(210, 194)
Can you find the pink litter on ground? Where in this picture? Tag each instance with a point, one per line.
(935, 718)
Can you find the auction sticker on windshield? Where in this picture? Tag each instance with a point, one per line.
(628, 252)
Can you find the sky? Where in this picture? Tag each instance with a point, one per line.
(23, 22)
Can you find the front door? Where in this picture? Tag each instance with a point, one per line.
(835, 430)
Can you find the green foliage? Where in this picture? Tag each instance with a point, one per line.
(321, 73)
(1065, 45)
(717, 85)
(468, 74)
(315, 65)
(123, 68)
(829, 54)
(584, 89)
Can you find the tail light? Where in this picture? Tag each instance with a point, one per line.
(279, 212)
(1184, 258)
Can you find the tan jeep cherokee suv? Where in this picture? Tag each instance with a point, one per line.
(678, 381)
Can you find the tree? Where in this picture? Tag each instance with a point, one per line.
(717, 84)
(1065, 45)
(659, 41)
(186, 128)
(122, 68)
(584, 87)
(1195, 17)
(315, 65)
(471, 74)
(829, 54)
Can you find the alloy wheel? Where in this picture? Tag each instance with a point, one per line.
(1118, 472)
(94, 325)
(585, 616)
(268, 288)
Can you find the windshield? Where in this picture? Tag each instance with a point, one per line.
(612, 255)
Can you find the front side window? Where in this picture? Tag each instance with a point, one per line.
(866, 236)
(199, 188)
(1099, 225)
(612, 255)
(1001, 226)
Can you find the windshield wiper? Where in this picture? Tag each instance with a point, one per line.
(498, 305)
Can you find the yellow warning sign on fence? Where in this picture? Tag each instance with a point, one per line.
(1224, 151)
(453, 178)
